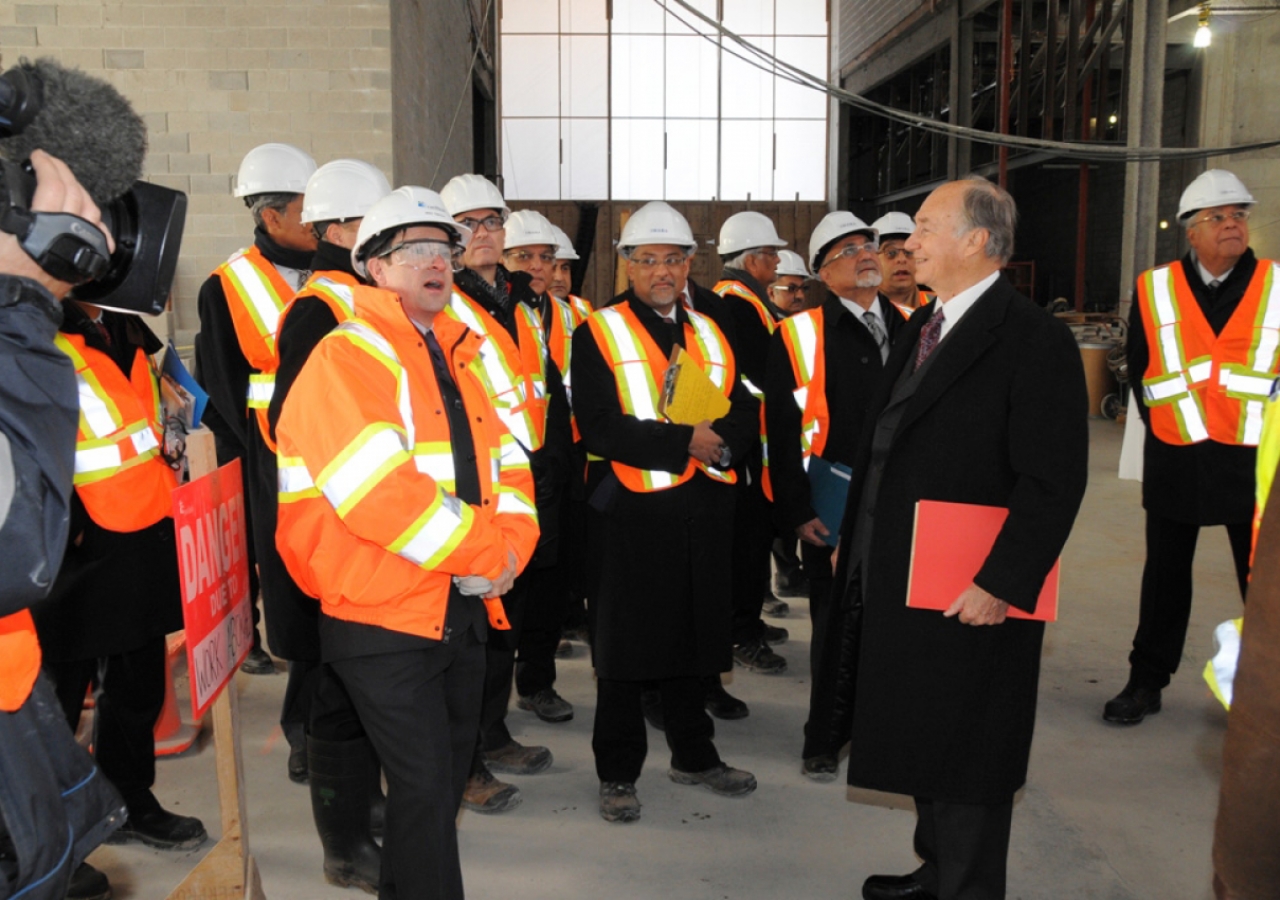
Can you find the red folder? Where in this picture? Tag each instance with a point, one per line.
(949, 546)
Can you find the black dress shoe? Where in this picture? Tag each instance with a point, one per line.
(1132, 705)
(894, 887)
(160, 829)
(87, 883)
(722, 704)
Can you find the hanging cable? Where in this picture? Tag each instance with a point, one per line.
(1082, 150)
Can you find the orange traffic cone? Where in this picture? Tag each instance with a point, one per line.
(172, 735)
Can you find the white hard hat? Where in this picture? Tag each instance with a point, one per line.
(832, 228)
(790, 263)
(747, 231)
(405, 206)
(564, 246)
(464, 193)
(894, 225)
(528, 228)
(274, 169)
(656, 223)
(343, 189)
(1214, 187)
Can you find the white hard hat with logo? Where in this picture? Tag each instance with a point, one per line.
(790, 263)
(465, 193)
(343, 189)
(832, 228)
(403, 207)
(528, 228)
(656, 223)
(564, 246)
(1213, 187)
(274, 169)
(894, 225)
(747, 231)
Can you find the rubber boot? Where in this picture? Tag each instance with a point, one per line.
(340, 800)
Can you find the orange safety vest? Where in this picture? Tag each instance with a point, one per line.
(121, 478)
(516, 374)
(334, 288)
(19, 660)
(565, 318)
(922, 299)
(729, 286)
(368, 521)
(1199, 386)
(257, 296)
(740, 290)
(803, 335)
(582, 305)
(639, 368)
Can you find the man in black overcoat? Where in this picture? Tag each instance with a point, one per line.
(984, 404)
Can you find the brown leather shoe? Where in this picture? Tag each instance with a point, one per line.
(486, 794)
(514, 758)
(618, 802)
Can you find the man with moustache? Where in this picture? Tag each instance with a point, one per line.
(788, 292)
(407, 509)
(663, 502)
(1202, 334)
(824, 367)
(896, 265)
(983, 401)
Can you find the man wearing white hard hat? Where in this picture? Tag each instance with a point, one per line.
(825, 365)
(748, 247)
(897, 265)
(240, 306)
(1201, 334)
(561, 284)
(788, 292)
(503, 306)
(344, 779)
(662, 503)
(407, 540)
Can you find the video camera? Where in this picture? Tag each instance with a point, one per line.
(87, 124)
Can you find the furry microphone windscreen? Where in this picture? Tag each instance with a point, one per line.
(86, 123)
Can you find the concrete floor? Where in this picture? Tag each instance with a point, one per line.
(1107, 813)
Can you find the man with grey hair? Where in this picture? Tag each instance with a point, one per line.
(943, 703)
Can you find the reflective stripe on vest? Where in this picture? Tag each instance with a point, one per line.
(1200, 386)
(633, 356)
(506, 390)
(533, 362)
(1220, 671)
(802, 335)
(256, 294)
(741, 291)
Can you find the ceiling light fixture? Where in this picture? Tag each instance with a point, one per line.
(1203, 34)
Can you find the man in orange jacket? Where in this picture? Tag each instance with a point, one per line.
(407, 509)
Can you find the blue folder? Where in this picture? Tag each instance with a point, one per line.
(829, 489)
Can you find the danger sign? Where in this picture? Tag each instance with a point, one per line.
(208, 515)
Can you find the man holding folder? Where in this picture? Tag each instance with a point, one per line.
(984, 403)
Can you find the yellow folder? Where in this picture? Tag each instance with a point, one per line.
(689, 396)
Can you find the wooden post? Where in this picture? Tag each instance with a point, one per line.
(229, 869)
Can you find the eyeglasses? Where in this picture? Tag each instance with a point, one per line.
(524, 257)
(489, 223)
(788, 288)
(766, 252)
(892, 253)
(1217, 219)
(652, 262)
(420, 254)
(849, 251)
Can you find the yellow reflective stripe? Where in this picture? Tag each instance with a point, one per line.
(638, 391)
(339, 293)
(804, 339)
(1220, 671)
(1167, 319)
(354, 472)
(512, 502)
(535, 329)
(435, 458)
(264, 306)
(261, 388)
(505, 390)
(293, 481)
(712, 351)
(436, 533)
(364, 336)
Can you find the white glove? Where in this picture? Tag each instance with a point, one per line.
(473, 585)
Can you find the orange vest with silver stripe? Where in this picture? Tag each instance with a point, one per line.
(368, 519)
(257, 296)
(581, 305)
(1199, 386)
(742, 292)
(639, 367)
(565, 318)
(121, 478)
(515, 373)
(804, 338)
(334, 288)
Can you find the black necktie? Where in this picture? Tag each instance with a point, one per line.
(437, 359)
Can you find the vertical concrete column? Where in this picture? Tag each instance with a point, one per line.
(1145, 112)
(960, 99)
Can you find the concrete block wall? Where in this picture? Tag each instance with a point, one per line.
(215, 78)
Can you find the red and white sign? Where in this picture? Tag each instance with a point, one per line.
(208, 516)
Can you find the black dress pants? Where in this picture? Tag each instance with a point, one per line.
(1165, 606)
(817, 563)
(752, 542)
(620, 740)
(546, 606)
(128, 696)
(500, 668)
(299, 693)
(420, 709)
(964, 848)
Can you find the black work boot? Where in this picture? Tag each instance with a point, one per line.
(341, 772)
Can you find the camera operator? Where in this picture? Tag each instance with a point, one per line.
(55, 808)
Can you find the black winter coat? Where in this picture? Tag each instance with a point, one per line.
(945, 710)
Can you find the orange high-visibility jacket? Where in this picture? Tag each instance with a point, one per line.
(19, 659)
(1200, 386)
(257, 296)
(121, 478)
(639, 367)
(368, 522)
(515, 376)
